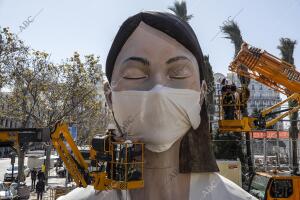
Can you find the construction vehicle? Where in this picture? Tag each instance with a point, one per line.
(270, 71)
(119, 164)
(114, 164)
(274, 186)
(281, 76)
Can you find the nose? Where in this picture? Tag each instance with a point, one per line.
(158, 79)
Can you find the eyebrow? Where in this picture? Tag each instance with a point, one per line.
(174, 59)
(144, 61)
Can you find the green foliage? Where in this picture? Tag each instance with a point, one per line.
(232, 32)
(228, 146)
(42, 93)
(286, 48)
(180, 9)
(209, 78)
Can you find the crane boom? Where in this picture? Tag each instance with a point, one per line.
(76, 164)
(270, 71)
(267, 69)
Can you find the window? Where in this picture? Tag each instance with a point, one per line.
(253, 88)
(260, 88)
(281, 188)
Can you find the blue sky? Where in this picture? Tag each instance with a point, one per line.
(65, 26)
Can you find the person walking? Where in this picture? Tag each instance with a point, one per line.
(33, 174)
(43, 168)
(40, 188)
(41, 175)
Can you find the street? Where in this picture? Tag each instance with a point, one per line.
(52, 182)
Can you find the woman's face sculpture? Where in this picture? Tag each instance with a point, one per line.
(150, 57)
(156, 83)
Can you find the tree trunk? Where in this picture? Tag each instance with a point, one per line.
(248, 138)
(293, 132)
(21, 156)
(48, 154)
(249, 157)
(295, 160)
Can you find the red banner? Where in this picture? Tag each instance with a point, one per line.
(270, 134)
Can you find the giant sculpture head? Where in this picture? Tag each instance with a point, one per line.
(157, 89)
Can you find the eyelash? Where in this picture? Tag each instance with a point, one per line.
(128, 78)
(178, 77)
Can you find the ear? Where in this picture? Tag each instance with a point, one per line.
(107, 93)
(203, 92)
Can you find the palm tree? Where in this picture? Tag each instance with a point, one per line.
(286, 48)
(232, 32)
(179, 9)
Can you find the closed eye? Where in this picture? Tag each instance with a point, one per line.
(181, 72)
(135, 78)
(135, 73)
(180, 76)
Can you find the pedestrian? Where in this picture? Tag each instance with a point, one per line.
(69, 177)
(40, 188)
(33, 174)
(43, 168)
(41, 175)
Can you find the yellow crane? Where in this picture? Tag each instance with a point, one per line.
(119, 164)
(284, 78)
(270, 71)
(114, 164)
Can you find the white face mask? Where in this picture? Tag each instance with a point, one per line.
(158, 117)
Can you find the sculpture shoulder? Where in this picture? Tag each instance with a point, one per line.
(90, 194)
(213, 186)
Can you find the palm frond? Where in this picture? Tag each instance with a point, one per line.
(286, 48)
(179, 8)
(232, 31)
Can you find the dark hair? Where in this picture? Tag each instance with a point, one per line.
(195, 148)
